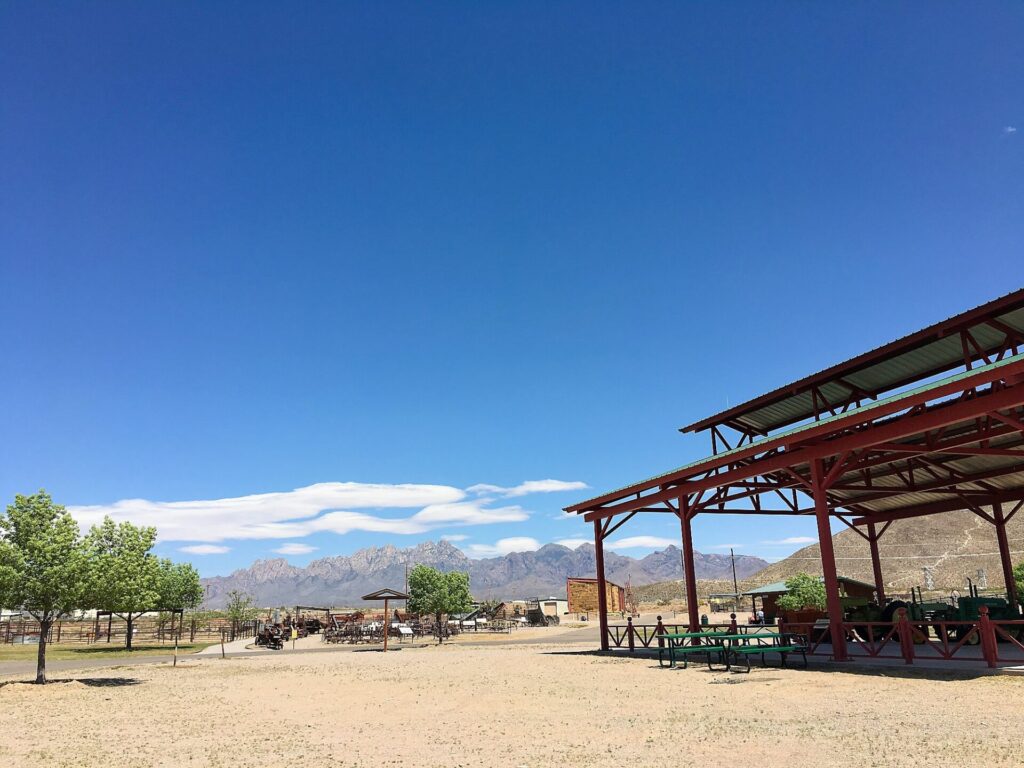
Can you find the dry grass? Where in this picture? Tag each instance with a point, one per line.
(504, 705)
(67, 651)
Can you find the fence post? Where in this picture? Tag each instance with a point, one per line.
(733, 628)
(660, 630)
(988, 636)
(629, 632)
(906, 635)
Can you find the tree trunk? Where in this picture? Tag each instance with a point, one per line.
(129, 619)
(440, 629)
(44, 630)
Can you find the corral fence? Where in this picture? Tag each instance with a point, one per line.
(158, 629)
(985, 641)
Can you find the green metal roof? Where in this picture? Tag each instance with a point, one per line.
(918, 356)
(779, 587)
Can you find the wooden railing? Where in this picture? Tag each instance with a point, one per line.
(986, 640)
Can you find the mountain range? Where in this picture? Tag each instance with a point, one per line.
(340, 581)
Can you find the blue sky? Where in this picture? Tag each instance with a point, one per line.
(389, 254)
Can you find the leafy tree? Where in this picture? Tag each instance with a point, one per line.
(180, 589)
(126, 576)
(179, 586)
(804, 591)
(43, 566)
(240, 608)
(1018, 576)
(434, 592)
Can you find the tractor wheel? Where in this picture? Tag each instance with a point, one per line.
(963, 631)
(889, 612)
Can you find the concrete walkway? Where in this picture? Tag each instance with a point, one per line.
(234, 647)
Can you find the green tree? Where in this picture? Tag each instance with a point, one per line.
(180, 590)
(803, 591)
(125, 576)
(179, 586)
(240, 608)
(43, 564)
(1018, 576)
(433, 592)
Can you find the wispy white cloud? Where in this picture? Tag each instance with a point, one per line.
(640, 542)
(530, 486)
(503, 547)
(324, 507)
(726, 546)
(294, 548)
(573, 543)
(454, 537)
(205, 549)
(1009, 129)
(792, 540)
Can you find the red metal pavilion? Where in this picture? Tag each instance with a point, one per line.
(929, 423)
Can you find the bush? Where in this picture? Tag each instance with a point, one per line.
(805, 591)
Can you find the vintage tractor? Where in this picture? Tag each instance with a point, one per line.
(962, 613)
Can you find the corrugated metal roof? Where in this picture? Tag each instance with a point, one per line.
(695, 466)
(918, 356)
(779, 587)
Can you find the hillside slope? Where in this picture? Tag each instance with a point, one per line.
(955, 545)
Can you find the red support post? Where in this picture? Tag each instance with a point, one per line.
(629, 632)
(1004, 554)
(828, 562)
(689, 574)
(988, 637)
(906, 632)
(876, 563)
(602, 589)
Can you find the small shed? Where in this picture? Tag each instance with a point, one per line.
(770, 593)
(553, 606)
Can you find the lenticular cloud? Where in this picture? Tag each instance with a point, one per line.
(324, 507)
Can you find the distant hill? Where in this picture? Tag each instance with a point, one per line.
(954, 544)
(341, 580)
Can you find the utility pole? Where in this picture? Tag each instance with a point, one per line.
(735, 584)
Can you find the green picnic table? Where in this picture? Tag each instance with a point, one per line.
(743, 646)
(682, 644)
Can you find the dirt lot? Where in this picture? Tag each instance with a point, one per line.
(531, 705)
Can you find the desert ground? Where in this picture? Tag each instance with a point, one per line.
(535, 704)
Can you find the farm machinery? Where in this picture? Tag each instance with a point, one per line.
(954, 616)
(536, 617)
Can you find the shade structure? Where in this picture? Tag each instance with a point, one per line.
(386, 595)
(929, 423)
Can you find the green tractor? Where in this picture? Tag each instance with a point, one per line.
(962, 612)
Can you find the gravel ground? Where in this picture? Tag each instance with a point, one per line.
(528, 705)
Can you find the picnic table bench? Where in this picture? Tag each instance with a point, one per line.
(729, 647)
(682, 644)
(760, 643)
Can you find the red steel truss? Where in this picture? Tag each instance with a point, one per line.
(887, 450)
